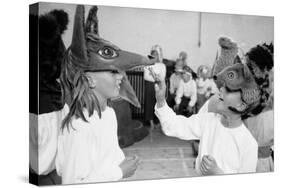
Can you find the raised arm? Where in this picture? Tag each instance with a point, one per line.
(172, 124)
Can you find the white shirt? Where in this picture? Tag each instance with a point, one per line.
(91, 152)
(206, 86)
(43, 138)
(187, 89)
(260, 126)
(174, 83)
(158, 68)
(234, 149)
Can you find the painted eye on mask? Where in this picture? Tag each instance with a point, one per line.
(107, 52)
(231, 75)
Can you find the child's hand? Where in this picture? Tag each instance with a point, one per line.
(129, 166)
(209, 166)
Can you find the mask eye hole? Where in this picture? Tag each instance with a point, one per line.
(107, 52)
(231, 75)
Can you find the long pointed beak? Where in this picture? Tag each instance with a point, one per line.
(125, 62)
(127, 92)
(129, 60)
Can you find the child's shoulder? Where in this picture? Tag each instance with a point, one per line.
(110, 110)
(247, 136)
(209, 118)
(208, 115)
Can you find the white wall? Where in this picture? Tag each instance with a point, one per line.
(138, 29)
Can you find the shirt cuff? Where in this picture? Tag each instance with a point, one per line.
(162, 111)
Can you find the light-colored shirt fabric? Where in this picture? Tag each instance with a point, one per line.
(234, 149)
(204, 108)
(262, 127)
(206, 87)
(158, 68)
(90, 153)
(43, 137)
(174, 83)
(187, 89)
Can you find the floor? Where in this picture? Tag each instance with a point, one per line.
(162, 157)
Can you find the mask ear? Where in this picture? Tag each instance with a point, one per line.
(92, 21)
(78, 44)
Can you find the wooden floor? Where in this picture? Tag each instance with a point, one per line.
(162, 157)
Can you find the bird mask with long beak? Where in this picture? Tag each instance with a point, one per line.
(90, 53)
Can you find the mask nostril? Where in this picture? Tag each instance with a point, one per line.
(215, 77)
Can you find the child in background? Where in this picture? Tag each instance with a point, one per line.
(175, 79)
(186, 95)
(205, 86)
(149, 96)
(184, 58)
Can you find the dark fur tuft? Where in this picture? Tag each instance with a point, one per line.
(51, 46)
(62, 19)
(52, 25)
(262, 57)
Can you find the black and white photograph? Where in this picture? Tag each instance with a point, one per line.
(123, 94)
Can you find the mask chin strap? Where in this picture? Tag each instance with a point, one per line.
(238, 111)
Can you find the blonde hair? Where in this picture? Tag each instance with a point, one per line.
(77, 91)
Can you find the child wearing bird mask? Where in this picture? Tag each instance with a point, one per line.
(226, 145)
(93, 72)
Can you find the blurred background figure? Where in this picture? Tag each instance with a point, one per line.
(205, 86)
(174, 82)
(186, 95)
(184, 57)
(158, 68)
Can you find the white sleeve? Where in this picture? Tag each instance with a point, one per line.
(204, 108)
(179, 93)
(179, 126)
(77, 160)
(193, 97)
(249, 158)
(44, 130)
